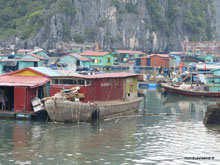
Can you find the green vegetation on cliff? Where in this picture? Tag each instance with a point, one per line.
(25, 17)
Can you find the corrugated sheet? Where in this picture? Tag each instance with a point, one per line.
(77, 57)
(104, 75)
(94, 53)
(25, 81)
(34, 55)
(129, 52)
(48, 71)
(160, 55)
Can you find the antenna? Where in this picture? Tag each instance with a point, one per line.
(71, 67)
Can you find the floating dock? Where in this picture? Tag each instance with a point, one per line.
(23, 115)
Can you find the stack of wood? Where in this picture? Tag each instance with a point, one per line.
(67, 94)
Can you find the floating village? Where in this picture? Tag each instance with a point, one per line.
(92, 85)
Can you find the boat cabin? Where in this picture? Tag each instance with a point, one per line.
(98, 87)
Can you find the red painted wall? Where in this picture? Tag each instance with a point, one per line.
(143, 61)
(159, 61)
(19, 99)
(99, 90)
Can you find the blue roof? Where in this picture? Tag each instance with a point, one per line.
(47, 71)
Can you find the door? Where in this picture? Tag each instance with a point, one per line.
(109, 61)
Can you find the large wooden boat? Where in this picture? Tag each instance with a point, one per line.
(69, 111)
(92, 97)
(189, 91)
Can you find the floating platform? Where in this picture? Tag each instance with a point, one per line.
(147, 84)
(23, 115)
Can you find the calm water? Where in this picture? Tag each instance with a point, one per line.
(150, 139)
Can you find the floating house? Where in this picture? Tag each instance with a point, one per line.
(99, 59)
(99, 87)
(10, 65)
(18, 88)
(23, 51)
(40, 52)
(79, 61)
(17, 91)
(153, 60)
(42, 61)
(123, 56)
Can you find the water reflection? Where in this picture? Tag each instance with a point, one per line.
(174, 131)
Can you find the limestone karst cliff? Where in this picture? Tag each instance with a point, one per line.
(147, 25)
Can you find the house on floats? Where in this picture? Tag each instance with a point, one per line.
(23, 51)
(153, 60)
(18, 88)
(42, 61)
(124, 56)
(98, 87)
(79, 61)
(10, 65)
(99, 59)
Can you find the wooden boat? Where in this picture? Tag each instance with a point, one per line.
(200, 91)
(92, 97)
(69, 111)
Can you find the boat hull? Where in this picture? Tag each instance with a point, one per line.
(177, 91)
(68, 111)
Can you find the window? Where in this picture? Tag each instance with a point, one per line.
(117, 81)
(110, 82)
(55, 81)
(131, 88)
(88, 82)
(81, 82)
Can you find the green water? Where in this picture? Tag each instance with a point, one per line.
(172, 132)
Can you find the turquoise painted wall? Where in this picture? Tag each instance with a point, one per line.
(216, 72)
(25, 64)
(85, 64)
(101, 60)
(1, 67)
(209, 58)
(68, 59)
(42, 54)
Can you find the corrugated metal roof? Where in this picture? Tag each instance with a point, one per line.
(24, 50)
(25, 81)
(34, 60)
(161, 55)
(130, 52)
(104, 75)
(94, 53)
(48, 71)
(34, 55)
(77, 56)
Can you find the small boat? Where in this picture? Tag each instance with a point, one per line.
(188, 90)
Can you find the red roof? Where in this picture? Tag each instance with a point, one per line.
(161, 55)
(25, 81)
(129, 52)
(34, 60)
(105, 75)
(24, 50)
(34, 55)
(94, 53)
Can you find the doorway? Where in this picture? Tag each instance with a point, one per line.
(7, 98)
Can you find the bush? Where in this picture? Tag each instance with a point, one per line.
(79, 38)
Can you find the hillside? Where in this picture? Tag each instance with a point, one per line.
(147, 25)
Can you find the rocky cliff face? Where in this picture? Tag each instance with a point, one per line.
(150, 26)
